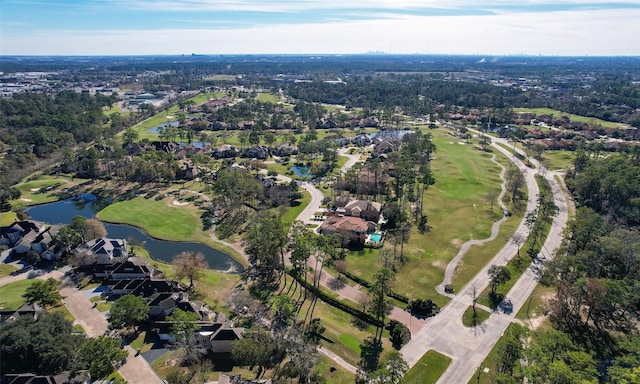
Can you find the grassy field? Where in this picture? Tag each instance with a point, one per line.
(267, 97)
(339, 374)
(457, 210)
(428, 369)
(489, 364)
(31, 190)
(6, 269)
(576, 118)
(6, 218)
(535, 305)
(559, 160)
(221, 77)
(113, 109)
(11, 294)
(161, 219)
(290, 214)
(481, 316)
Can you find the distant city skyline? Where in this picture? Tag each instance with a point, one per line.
(486, 27)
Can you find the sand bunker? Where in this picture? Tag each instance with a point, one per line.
(179, 203)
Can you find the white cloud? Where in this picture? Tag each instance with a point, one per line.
(603, 32)
(302, 5)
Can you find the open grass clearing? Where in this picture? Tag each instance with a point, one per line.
(559, 160)
(65, 312)
(458, 211)
(428, 369)
(170, 361)
(34, 189)
(161, 219)
(144, 341)
(332, 372)
(574, 118)
(481, 316)
(266, 97)
(11, 294)
(6, 269)
(486, 372)
(290, 213)
(220, 77)
(535, 306)
(6, 218)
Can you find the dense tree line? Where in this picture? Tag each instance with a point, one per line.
(47, 345)
(36, 127)
(596, 276)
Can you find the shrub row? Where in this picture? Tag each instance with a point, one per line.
(340, 305)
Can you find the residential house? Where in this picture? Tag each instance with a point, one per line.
(386, 146)
(105, 250)
(25, 236)
(28, 309)
(225, 151)
(141, 287)
(355, 229)
(367, 210)
(132, 268)
(259, 152)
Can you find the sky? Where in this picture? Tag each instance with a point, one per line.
(485, 27)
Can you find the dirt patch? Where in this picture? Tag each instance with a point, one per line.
(439, 264)
(456, 243)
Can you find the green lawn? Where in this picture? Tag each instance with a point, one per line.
(113, 109)
(11, 294)
(559, 160)
(576, 118)
(267, 97)
(65, 312)
(481, 316)
(457, 211)
(339, 374)
(482, 377)
(160, 219)
(290, 214)
(6, 218)
(6, 269)
(32, 189)
(535, 305)
(163, 220)
(428, 369)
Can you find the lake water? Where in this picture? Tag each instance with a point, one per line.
(301, 170)
(63, 211)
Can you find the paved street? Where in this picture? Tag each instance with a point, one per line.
(136, 369)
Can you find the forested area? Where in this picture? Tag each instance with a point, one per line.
(595, 311)
(35, 128)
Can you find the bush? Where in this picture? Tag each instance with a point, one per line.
(423, 308)
(399, 334)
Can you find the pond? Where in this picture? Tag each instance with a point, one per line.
(63, 211)
(301, 170)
